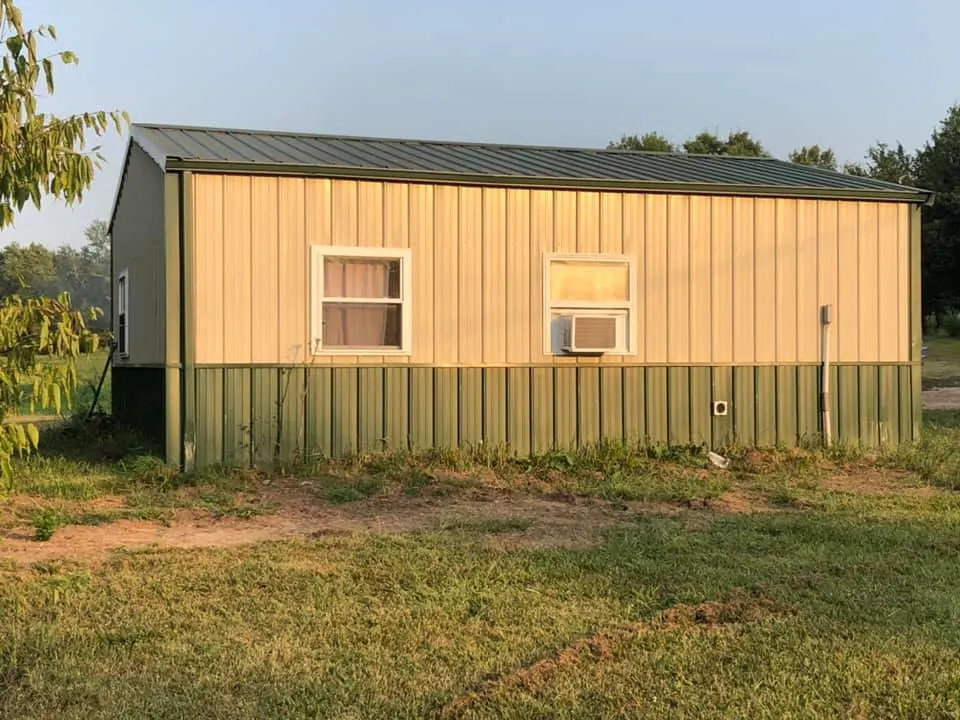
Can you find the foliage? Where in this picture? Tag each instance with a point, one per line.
(35, 270)
(40, 154)
(737, 143)
(893, 165)
(649, 142)
(815, 156)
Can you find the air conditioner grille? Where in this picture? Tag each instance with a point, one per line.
(595, 332)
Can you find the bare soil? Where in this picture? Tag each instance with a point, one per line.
(941, 398)
(552, 523)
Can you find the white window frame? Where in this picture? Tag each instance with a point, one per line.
(317, 255)
(628, 331)
(123, 308)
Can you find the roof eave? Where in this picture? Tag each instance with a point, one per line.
(908, 195)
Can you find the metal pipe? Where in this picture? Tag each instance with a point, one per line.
(826, 316)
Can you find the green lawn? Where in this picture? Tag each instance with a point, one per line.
(89, 369)
(794, 584)
(941, 368)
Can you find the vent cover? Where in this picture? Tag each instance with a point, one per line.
(590, 333)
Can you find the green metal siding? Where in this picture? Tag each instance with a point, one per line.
(267, 414)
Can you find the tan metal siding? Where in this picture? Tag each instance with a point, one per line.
(138, 248)
(718, 280)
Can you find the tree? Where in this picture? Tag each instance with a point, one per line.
(737, 143)
(40, 155)
(649, 142)
(936, 167)
(814, 156)
(894, 165)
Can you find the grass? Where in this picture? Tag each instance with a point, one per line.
(89, 369)
(835, 596)
(941, 368)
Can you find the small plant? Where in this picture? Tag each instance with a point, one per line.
(45, 522)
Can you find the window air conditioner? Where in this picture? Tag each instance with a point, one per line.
(593, 334)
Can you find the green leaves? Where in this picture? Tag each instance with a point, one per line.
(40, 154)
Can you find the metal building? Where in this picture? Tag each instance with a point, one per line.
(278, 295)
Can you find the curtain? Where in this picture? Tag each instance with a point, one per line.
(358, 324)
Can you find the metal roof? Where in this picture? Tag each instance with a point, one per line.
(218, 149)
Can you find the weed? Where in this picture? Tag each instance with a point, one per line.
(45, 522)
(491, 526)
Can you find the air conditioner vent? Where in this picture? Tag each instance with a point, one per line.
(592, 334)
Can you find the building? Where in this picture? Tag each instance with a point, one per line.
(278, 295)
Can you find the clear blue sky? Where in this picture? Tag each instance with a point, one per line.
(841, 73)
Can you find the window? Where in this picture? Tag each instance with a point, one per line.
(591, 286)
(361, 301)
(123, 315)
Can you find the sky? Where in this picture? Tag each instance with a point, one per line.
(839, 73)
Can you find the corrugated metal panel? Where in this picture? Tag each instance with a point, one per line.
(251, 147)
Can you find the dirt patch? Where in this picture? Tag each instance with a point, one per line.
(740, 501)
(740, 608)
(547, 523)
(941, 398)
(874, 481)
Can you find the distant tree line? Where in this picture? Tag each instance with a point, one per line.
(35, 271)
(934, 166)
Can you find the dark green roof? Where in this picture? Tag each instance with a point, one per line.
(249, 151)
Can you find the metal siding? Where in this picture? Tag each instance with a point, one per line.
(888, 405)
(701, 409)
(808, 307)
(700, 282)
(264, 259)
(656, 405)
(265, 404)
(370, 410)
(633, 216)
(787, 405)
(869, 406)
(765, 279)
(541, 241)
(170, 271)
(588, 222)
(721, 379)
(827, 281)
(766, 394)
(423, 260)
(445, 301)
(678, 405)
(471, 279)
(421, 407)
(678, 279)
(916, 320)
(744, 258)
(495, 406)
(565, 221)
(137, 243)
(318, 228)
(471, 406)
(846, 325)
(396, 414)
(237, 339)
(722, 273)
(236, 417)
(542, 413)
(519, 407)
(293, 386)
(744, 405)
(588, 405)
(344, 401)
(612, 402)
(208, 261)
(905, 392)
(494, 274)
(319, 411)
(904, 282)
(868, 301)
(293, 264)
(848, 404)
(654, 303)
(565, 407)
(519, 325)
(634, 404)
(808, 402)
(890, 305)
(786, 271)
(446, 412)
